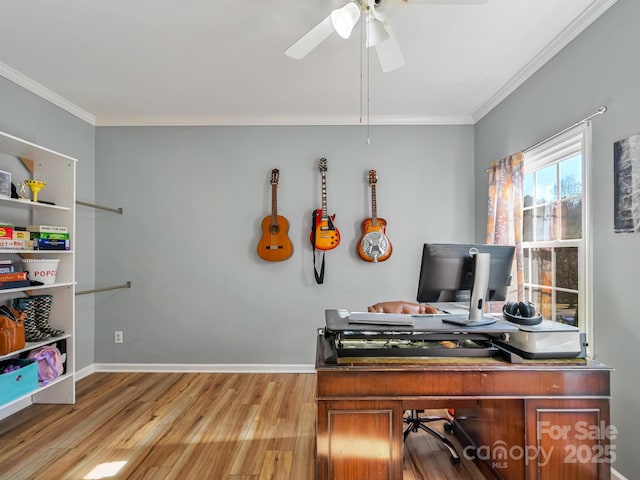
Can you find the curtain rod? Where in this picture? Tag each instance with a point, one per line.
(600, 111)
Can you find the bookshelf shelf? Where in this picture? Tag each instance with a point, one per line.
(16, 203)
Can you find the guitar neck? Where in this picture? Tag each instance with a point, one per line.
(324, 196)
(374, 207)
(274, 203)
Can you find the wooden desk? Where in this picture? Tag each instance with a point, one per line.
(556, 413)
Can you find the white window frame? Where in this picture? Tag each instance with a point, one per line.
(559, 148)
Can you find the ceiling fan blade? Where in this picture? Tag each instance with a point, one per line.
(376, 32)
(311, 39)
(389, 53)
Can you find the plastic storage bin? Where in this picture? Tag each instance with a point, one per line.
(18, 383)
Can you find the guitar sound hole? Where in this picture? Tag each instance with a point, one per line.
(274, 229)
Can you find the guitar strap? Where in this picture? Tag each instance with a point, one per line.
(319, 276)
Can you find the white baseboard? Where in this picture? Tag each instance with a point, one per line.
(616, 475)
(203, 368)
(85, 372)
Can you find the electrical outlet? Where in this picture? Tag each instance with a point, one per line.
(117, 336)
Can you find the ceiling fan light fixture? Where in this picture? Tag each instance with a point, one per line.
(376, 32)
(345, 18)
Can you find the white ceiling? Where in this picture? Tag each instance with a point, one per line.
(221, 62)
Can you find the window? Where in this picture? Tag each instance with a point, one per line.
(556, 228)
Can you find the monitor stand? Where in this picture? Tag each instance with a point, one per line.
(466, 322)
(481, 269)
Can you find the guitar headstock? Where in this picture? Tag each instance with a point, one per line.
(373, 177)
(275, 176)
(322, 165)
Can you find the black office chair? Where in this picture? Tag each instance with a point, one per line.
(416, 422)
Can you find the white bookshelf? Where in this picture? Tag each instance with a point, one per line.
(59, 173)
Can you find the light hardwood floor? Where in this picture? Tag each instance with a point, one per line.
(201, 426)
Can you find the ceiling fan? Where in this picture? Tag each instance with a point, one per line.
(379, 33)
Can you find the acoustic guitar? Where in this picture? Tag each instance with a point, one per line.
(374, 245)
(324, 235)
(275, 245)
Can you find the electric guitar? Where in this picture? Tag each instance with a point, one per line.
(374, 245)
(275, 245)
(324, 235)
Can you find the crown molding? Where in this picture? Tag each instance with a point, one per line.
(43, 92)
(590, 15)
(287, 120)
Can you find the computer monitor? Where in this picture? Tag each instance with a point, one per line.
(447, 272)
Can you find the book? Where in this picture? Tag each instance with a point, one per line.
(15, 244)
(48, 228)
(49, 235)
(6, 232)
(6, 266)
(20, 235)
(16, 284)
(50, 244)
(13, 277)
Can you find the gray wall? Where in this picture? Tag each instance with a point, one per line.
(28, 116)
(194, 199)
(600, 67)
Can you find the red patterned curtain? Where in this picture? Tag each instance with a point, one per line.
(504, 219)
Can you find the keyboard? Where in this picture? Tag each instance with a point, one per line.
(381, 318)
